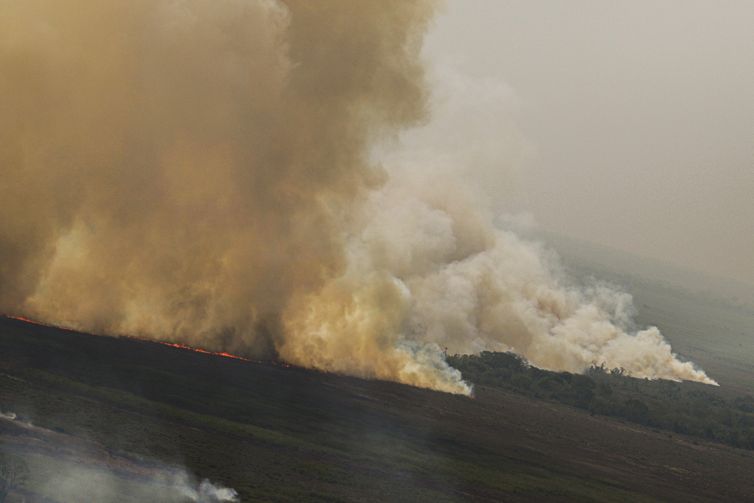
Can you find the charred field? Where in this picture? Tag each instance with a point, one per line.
(277, 433)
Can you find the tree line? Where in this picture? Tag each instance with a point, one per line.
(683, 408)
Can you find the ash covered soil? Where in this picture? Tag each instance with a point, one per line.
(276, 433)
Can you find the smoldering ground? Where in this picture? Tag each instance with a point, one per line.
(203, 171)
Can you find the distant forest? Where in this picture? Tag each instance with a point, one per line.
(677, 407)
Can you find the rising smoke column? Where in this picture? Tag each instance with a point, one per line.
(178, 169)
(202, 171)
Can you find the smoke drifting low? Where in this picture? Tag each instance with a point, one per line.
(203, 171)
(73, 470)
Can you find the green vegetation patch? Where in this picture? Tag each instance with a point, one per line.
(685, 408)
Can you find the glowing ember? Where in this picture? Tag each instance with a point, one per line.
(27, 320)
(203, 351)
(169, 344)
(34, 322)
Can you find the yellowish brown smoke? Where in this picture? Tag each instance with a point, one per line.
(177, 168)
(200, 171)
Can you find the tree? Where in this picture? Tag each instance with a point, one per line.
(13, 475)
(636, 411)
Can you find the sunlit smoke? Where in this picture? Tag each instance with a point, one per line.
(180, 168)
(204, 171)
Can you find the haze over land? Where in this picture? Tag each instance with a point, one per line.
(239, 175)
(639, 118)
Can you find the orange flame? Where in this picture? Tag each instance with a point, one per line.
(202, 350)
(169, 344)
(34, 322)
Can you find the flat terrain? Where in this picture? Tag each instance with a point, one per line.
(707, 320)
(120, 409)
(716, 335)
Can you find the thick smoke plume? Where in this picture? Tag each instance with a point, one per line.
(179, 168)
(203, 171)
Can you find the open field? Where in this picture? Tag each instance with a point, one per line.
(286, 434)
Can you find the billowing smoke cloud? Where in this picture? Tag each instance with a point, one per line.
(178, 168)
(204, 171)
(431, 268)
(427, 270)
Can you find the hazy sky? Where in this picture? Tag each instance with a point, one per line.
(639, 118)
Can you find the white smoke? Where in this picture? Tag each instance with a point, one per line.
(430, 266)
(206, 492)
(76, 482)
(8, 416)
(84, 478)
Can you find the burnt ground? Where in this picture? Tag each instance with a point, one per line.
(287, 434)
